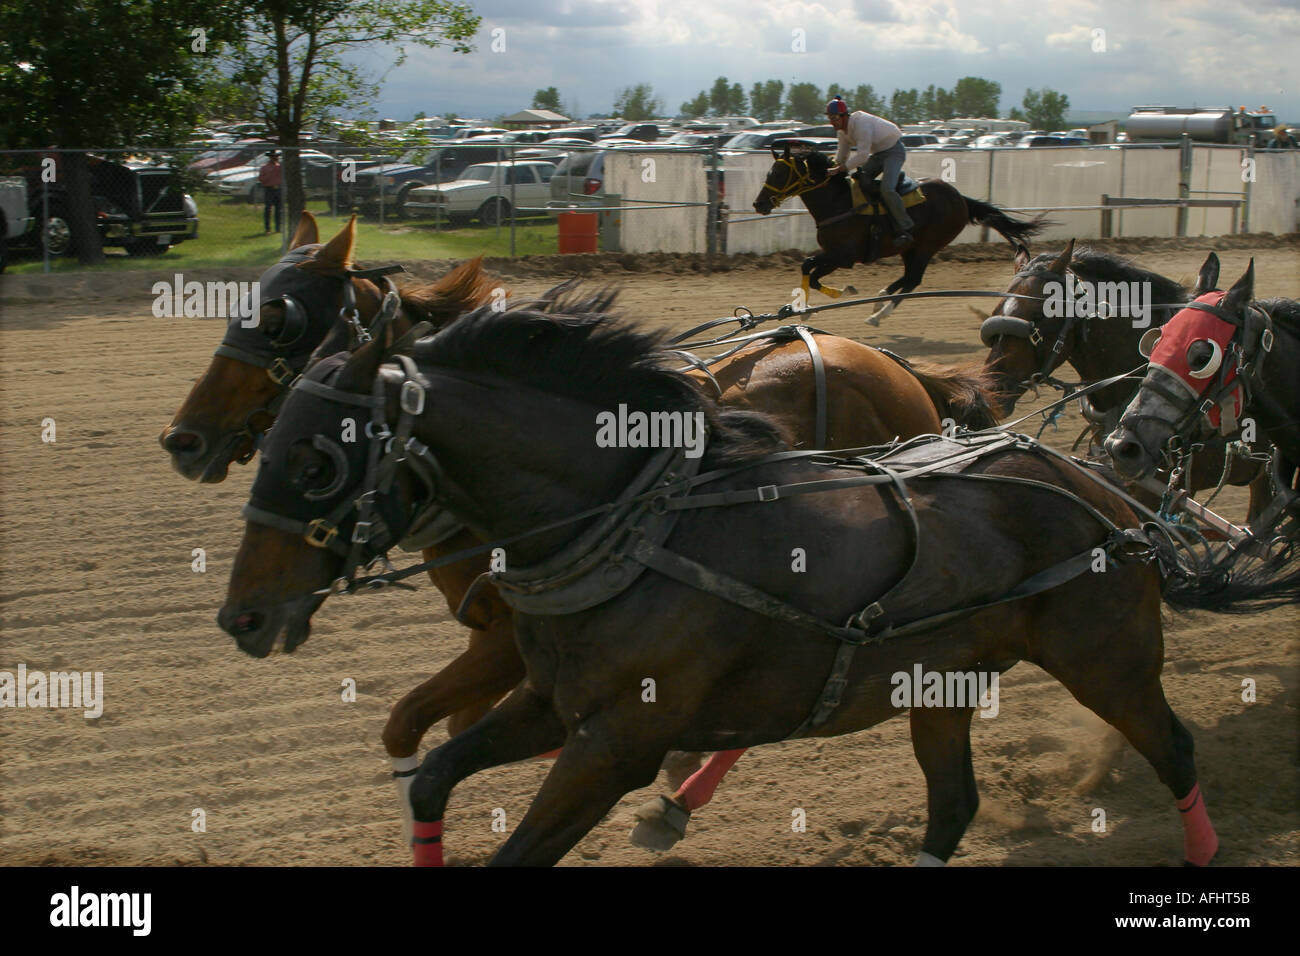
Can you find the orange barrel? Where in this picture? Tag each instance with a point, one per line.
(578, 231)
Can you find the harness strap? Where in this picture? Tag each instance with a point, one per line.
(819, 380)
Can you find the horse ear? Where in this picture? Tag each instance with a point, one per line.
(1022, 256)
(1063, 260)
(1242, 291)
(360, 370)
(335, 256)
(1207, 280)
(307, 233)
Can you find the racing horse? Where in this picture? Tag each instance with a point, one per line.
(1112, 304)
(860, 396)
(847, 238)
(630, 561)
(1220, 359)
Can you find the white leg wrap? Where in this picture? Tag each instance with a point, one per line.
(404, 766)
(926, 859)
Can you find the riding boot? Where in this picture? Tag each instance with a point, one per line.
(902, 222)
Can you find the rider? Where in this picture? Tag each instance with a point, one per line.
(870, 146)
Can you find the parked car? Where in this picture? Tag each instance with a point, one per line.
(757, 139)
(224, 157)
(991, 141)
(484, 192)
(16, 219)
(687, 139)
(645, 132)
(465, 132)
(319, 172)
(1029, 142)
(913, 140)
(589, 133)
(138, 206)
(424, 167)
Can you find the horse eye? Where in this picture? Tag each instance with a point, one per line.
(1200, 354)
(316, 475)
(272, 319)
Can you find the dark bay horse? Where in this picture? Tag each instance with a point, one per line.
(847, 238)
(1223, 358)
(1112, 304)
(869, 398)
(502, 411)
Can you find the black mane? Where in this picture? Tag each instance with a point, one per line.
(573, 347)
(1284, 312)
(1097, 266)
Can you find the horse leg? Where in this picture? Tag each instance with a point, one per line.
(822, 264)
(941, 742)
(467, 687)
(662, 821)
(525, 724)
(914, 265)
(1130, 698)
(600, 763)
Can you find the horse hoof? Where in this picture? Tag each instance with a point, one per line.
(873, 320)
(851, 289)
(833, 293)
(660, 824)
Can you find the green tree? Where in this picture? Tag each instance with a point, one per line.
(805, 102)
(104, 74)
(547, 99)
(696, 107)
(765, 99)
(637, 103)
(1045, 108)
(973, 96)
(726, 99)
(905, 107)
(293, 52)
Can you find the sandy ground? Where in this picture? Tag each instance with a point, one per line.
(95, 575)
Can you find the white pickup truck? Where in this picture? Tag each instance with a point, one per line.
(483, 192)
(14, 218)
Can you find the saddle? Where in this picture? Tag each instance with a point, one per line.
(869, 204)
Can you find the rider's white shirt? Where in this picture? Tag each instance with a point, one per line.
(865, 134)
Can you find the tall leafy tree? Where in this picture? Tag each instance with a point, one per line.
(103, 74)
(726, 99)
(292, 52)
(765, 99)
(696, 107)
(905, 107)
(547, 99)
(637, 103)
(973, 96)
(805, 102)
(1045, 108)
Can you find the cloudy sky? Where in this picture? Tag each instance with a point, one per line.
(1103, 54)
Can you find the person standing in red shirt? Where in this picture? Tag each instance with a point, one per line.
(271, 178)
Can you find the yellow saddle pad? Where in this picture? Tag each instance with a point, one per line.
(914, 198)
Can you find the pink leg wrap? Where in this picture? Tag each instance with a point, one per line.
(549, 755)
(698, 789)
(427, 843)
(1200, 842)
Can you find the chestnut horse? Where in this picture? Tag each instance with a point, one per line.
(869, 398)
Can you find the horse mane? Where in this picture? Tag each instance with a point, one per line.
(1285, 313)
(573, 347)
(1097, 266)
(461, 290)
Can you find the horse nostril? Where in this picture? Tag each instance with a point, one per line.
(245, 623)
(178, 442)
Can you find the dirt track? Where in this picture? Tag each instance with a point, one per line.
(95, 575)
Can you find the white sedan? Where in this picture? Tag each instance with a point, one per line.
(484, 192)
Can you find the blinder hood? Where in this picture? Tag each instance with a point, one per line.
(322, 419)
(310, 303)
(1172, 349)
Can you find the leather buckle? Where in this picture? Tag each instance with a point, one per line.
(768, 493)
(1035, 336)
(361, 532)
(280, 372)
(320, 533)
(412, 397)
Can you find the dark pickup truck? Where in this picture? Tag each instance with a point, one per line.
(138, 206)
(394, 179)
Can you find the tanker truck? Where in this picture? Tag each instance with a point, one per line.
(1202, 124)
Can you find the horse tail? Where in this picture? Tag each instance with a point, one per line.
(1260, 586)
(965, 394)
(1012, 230)
(461, 290)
